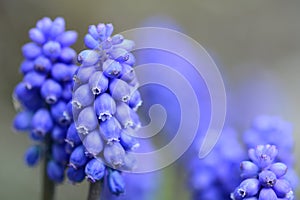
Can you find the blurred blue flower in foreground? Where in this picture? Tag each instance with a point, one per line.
(262, 177)
(104, 104)
(44, 93)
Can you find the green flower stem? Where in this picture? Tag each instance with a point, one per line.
(94, 191)
(48, 189)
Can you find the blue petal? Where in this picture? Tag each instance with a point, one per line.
(83, 97)
(57, 28)
(76, 175)
(110, 129)
(111, 68)
(42, 122)
(62, 72)
(114, 154)
(78, 157)
(32, 155)
(58, 134)
(34, 80)
(104, 106)
(37, 36)
(58, 112)
(44, 25)
(87, 121)
(26, 66)
(51, 91)
(67, 38)
(120, 90)
(83, 74)
(67, 55)
(72, 136)
(52, 49)
(90, 42)
(31, 51)
(98, 83)
(42, 64)
(22, 121)
(88, 57)
(116, 182)
(93, 143)
(95, 170)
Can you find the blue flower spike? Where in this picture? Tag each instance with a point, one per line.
(264, 178)
(104, 105)
(44, 93)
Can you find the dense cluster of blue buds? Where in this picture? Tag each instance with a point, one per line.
(104, 103)
(263, 178)
(45, 92)
(207, 180)
(275, 131)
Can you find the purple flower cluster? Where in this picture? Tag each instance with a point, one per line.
(44, 93)
(275, 131)
(105, 100)
(207, 180)
(263, 178)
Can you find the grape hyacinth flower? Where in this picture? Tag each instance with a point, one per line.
(263, 178)
(275, 131)
(104, 103)
(43, 95)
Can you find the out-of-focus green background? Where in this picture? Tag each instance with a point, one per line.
(255, 43)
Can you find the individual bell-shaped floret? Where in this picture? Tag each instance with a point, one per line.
(88, 57)
(33, 155)
(76, 175)
(98, 83)
(87, 121)
(112, 68)
(22, 121)
(52, 49)
(42, 122)
(248, 188)
(58, 112)
(93, 143)
(72, 136)
(51, 91)
(67, 38)
(42, 64)
(110, 129)
(83, 97)
(120, 90)
(114, 154)
(105, 106)
(95, 170)
(31, 51)
(58, 134)
(116, 182)
(78, 157)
